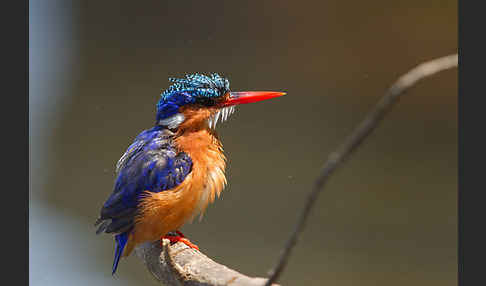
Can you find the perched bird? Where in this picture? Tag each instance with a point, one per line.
(171, 172)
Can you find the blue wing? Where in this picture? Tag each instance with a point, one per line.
(152, 164)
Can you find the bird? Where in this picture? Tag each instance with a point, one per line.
(171, 172)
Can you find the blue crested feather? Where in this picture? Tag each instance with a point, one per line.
(186, 91)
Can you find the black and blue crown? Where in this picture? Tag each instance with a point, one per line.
(192, 89)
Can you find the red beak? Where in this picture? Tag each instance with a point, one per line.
(242, 97)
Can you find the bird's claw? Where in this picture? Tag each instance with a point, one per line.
(180, 238)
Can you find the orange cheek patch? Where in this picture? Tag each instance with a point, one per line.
(195, 117)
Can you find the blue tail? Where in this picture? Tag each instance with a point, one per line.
(120, 242)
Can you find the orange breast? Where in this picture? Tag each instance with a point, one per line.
(169, 210)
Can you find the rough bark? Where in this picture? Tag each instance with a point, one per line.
(180, 265)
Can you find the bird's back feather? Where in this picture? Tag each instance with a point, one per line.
(151, 163)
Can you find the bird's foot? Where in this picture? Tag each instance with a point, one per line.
(177, 236)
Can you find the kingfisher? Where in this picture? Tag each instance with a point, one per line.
(171, 172)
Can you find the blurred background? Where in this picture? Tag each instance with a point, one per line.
(389, 216)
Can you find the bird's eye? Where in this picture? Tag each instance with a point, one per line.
(205, 101)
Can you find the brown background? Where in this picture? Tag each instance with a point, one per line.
(388, 217)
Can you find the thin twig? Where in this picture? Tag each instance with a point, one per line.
(354, 140)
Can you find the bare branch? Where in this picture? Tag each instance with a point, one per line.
(180, 265)
(354, 140)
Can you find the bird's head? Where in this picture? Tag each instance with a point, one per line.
(201, 101)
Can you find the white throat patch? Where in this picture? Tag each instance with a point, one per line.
(222, 114)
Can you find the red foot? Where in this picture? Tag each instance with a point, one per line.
(180, 237)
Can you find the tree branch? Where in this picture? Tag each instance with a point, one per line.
(180, 265)
(354, 140)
